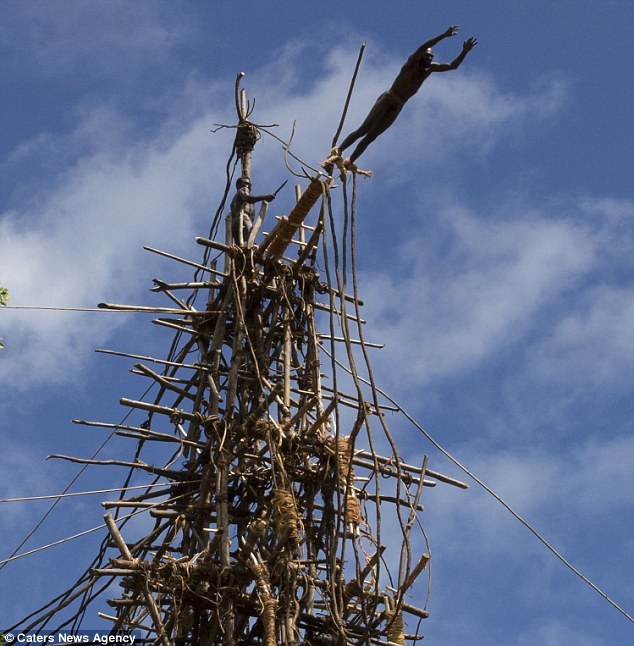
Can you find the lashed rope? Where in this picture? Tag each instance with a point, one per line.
(395, 628)
(285, 516)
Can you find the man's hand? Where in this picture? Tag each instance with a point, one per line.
(269, 198)
(452, 31)
(469, 44)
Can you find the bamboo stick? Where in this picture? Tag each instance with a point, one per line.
(139, 432)
(406, 547)
(319, 422)
(165, 513)
(341, 339)
(163, 382)
(413, 575)
(270, 236)
(295, 218)
(257, 224)
(161, 437)
(152, 310)
(116, 536)
(363, 495)
(213, 244)
(161, 286)
(308, 247)
(175, 364)
(354, 399)
(171, 380)
(182, 260)
(114, 571)
(413, 469)
(339, 294)
(287, 372)
(168, 473)
(181, 328)
(302, 227)
(327, 308)
(413, 610)
(149, 599)
(155, 408)
(391, 470)
(115, 504)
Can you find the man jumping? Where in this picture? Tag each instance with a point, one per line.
(388, 106)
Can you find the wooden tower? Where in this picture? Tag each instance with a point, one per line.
(281, 511)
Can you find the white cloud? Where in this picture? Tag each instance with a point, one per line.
(593, 345)
(555, 632)
(576, 498)
(22, 475)
(80, 242)
(472, 289)
(80, 237)
(581, 359)
(61, 38)
(470, 111)
(586, 487)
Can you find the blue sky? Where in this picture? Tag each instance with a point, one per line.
(495, 249)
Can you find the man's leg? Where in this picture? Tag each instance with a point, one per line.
(380, 107)
(380, 126)
(351, 138)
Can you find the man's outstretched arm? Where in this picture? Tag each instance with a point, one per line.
(467, 46)
(252, 199)
(451, 31)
